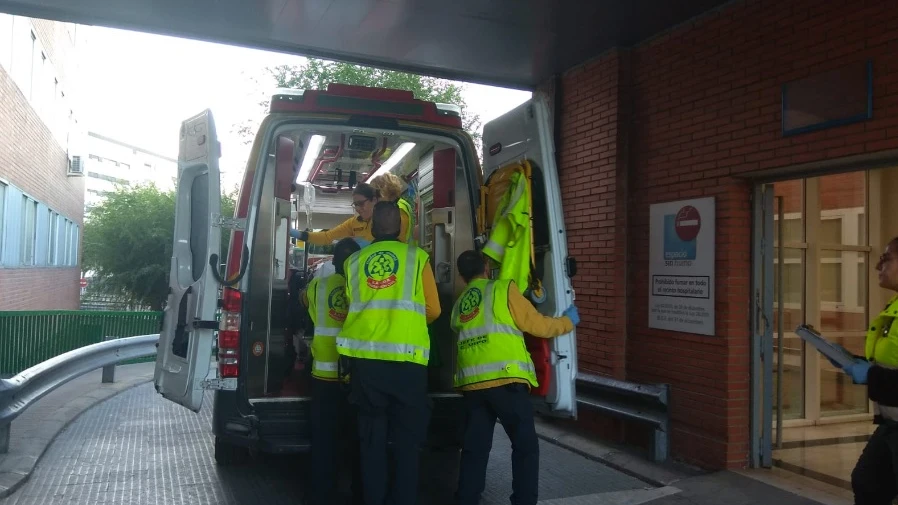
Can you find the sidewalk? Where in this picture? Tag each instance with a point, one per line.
(34, 431)
(667, 484)
(687, 485)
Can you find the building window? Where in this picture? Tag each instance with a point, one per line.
(6, 38)
(29, 214)
(2, 219)
(22, 47)
(104, 177)
(32, 67)
(31, 234)
(73, 257)
(67, 249)
(53, 254)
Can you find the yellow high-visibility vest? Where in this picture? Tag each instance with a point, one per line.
(490, 344)
(406, 207)
(881, 347)
(509, 241)
(328, 308)
(881, 344)
(387, 318)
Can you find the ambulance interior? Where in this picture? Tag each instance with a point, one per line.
(310, 171)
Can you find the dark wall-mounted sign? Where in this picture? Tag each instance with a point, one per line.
(828, 99)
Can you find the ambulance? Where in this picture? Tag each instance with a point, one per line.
(227, 335)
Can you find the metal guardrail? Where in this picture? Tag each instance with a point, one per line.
(644, 403)
(23, 390)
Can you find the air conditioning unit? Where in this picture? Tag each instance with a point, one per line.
(76, 166)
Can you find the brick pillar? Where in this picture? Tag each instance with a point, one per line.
(593, 157)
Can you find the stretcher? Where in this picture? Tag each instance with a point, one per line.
(498, 196)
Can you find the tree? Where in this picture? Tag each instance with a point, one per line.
(317, 74)
(128, 243)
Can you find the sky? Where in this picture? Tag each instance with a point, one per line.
(137, 88)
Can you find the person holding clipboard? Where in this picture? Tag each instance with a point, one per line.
(875, 476)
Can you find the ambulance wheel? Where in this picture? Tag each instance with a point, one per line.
(227, 454)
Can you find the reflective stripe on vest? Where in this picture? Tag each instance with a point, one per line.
(496, 250)
(327, 302)
(509, 367)
(325, 366)
(408, 305)
(487, 328)
(490, 345)
(387, 317)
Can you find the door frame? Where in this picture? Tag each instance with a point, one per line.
(762, 303)
(761, 326)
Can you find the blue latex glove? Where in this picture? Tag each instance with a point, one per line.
(360, 241)
(572, 314)
(858, 371)
(299, 235)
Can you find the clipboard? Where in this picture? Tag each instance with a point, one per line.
(825, 347)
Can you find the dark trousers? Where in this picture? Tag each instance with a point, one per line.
(875, 477)
(511, 405)
(392, 403)
(334, 428)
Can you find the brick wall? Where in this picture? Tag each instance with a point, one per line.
(593, 185)
(837, 191)
(32, 160)
(40, 288)
(701, 106)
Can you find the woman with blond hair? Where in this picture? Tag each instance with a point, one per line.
(389, 189)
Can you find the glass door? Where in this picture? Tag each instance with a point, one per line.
(843, 268)
(821, 260)
(789, 297)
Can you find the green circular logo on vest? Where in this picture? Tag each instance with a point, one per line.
(380, 270)
(337, 307)
(469, 307)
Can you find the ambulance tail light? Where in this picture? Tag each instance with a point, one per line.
(229, 333)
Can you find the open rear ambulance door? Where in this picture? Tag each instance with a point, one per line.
(189, 325)
(523, 137)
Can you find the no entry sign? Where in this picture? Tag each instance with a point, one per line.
(688, 223)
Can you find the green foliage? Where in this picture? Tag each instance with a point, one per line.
(317, 74)
(128, 243)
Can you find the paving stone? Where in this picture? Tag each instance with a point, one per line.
(138, 448)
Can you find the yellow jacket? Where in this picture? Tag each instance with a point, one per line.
(509, 242)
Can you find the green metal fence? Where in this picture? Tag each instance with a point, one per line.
(28, 338)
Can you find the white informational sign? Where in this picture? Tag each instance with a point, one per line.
(681, 266)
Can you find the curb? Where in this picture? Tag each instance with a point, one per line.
(622, 459)
(17, 466)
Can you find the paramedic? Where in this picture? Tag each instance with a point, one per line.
(392, 298)
(364, 197)
(389, 189)
(495, 374)
(875, 476)
(330, 410)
